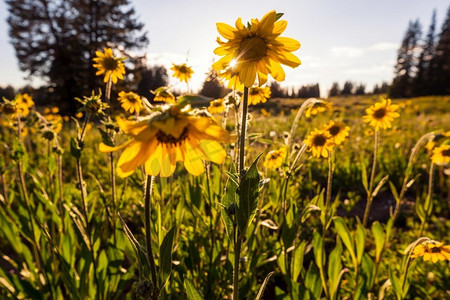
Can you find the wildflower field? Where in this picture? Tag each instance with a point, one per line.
(242, 197)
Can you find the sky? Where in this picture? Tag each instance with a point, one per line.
(341, 40)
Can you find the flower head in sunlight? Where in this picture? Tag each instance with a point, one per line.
(275, 158)
(182, 72)
(318, 108)
(131, 102)
(338, 131)
(258, 95)
(158, 142)
(54, 121)
(433, 251)
(110, 65)
(93, 104)
(24, 100)
(256, 50)
(319, 142)
(441, 155)
(217, 106)
(381, 114)
(163, 94)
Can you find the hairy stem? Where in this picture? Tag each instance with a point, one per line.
(148, 234)
(372, 176)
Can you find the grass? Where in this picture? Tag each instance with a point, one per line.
(314, 251)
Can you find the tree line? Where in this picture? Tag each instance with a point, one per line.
(423, 62)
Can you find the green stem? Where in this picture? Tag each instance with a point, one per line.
(111, 161)
(237, 234)
(372, 176)
(427, 203)
(243, 131)
(148, 234)
(329, 182)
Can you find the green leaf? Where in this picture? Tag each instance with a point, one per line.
(229, 199)
(194, 100)
(140, 253)
(335, 271)
(278, 16)
(263, 286)
(165, 257)
(380, 185)
(75, 149)
(106, 138)
(379, 237)
(396, 286)
(318, 249)
(346, 237)
(394, 192)
(360, 238)
(297, 261)
(191, 291)
(364, 177)
(248, 192)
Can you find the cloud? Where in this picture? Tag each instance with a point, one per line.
(352, 52)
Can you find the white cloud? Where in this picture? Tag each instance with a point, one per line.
(352, 52)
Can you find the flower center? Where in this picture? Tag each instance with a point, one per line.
(169, 139)
(435, 250)
(319, 140)
(183, 69)
(334, 130)
(110, 64)
(254, 92)
(446, 152)
(379, 113)
(252, 48)
(9, 109)
(131, 99)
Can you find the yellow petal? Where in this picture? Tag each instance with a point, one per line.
(213, 151)
(153, 163)
(105, 148)
(193, 158)
(225, 30)
(288, 43)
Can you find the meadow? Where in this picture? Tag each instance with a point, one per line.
(242, 197)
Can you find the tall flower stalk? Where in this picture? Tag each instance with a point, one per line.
(372, 177)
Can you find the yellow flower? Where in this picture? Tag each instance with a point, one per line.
(265, 113)
(433, 251)
(217, 106)
(79, 115)
(162, 94)
(381, 114)
(318, 108)
(55, 122)
(258, 95)
(160, 141)
(25, 100)
(256, 50)
(338, 131)
(108, 64)
(182, 72)
(441, 155)
(54, 110)
(319, 142)
(275, 158)
(130, 101)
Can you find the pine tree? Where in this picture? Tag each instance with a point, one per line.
(151, 79)
(56, 40)
(348, 88)
(360, 89)
(335, 90)
(423, 80)
(212, 86)
(406, 66)
(440, 65)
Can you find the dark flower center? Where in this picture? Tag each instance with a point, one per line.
(319, 140)
(170, 139)
(435, 250)
(9, 109)
(379, 113)
(131, 99)
(110, 64)
(334, 130)
(183, 69)
(252, 48)
(446, 152)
